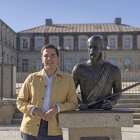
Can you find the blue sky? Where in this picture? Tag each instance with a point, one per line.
(25, 14)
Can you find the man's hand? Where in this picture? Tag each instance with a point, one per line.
(106, 105)
(39, 113)
(51, 113)
(46, 115)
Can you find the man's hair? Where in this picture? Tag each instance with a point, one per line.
(49, 46)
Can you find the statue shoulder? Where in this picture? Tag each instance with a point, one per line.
(82, 70)
(114, 68)
(80, 66)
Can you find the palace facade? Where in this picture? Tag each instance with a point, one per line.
(121, 44)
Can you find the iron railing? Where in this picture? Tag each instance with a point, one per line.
(130, 75)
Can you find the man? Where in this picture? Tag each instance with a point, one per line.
(97, 78)
(43, 95)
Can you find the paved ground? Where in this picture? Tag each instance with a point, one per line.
(10, 132)
(129, 133)
(13, 133)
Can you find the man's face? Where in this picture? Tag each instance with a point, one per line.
(94, 52)
(50, 59)
(94, 48)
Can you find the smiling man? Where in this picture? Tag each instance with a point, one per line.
(97, 78)
(43, 95)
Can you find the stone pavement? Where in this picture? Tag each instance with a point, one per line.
(11, 132)
(131, 133)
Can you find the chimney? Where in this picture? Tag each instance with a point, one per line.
(118, 20)
(48, 21)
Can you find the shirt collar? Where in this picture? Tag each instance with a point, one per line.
(58, 72)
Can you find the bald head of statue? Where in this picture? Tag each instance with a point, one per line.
(95, 45)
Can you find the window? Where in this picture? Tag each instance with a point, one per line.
(82, 42)
(2, 56)
(127, 41)
(24, 43)
(3, 34)
(12, 40)
(127, 63)
(12, 60)
(68, 64)
(68, 42)
(138, 41)
(24, 65)
(83, 60)
(54, 40)
(15, 41)
(113, 61)
(112, 42)
(15, 60)
(8, 36)
(7, 58)
(39, 42)
(38, 64)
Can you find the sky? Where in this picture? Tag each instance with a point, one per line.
(25, 14)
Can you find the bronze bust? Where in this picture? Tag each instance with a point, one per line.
(97, 79)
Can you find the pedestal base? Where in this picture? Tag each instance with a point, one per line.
(95, 124)
(95, 133)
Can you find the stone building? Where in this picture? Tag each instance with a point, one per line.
(7, 44)
(8, 60)
(121, 45)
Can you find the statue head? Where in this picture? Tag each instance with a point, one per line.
(95, 45)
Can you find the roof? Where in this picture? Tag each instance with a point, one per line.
(1, 21)
(82, 28)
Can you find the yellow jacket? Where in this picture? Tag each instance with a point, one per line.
(32, 94)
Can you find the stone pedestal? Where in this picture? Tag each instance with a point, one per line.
(7, 110)
(95, 124)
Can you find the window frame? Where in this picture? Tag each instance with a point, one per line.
(112, 60)
(68, 65)
(79, 42)
(57, 41)
(109, 37)
(37, 45)
(27, 39)
(138, 41)
(38, 65)
(127, 65)
(65, 43)
(130, 37)
(25, 65)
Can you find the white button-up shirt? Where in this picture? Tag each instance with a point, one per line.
(48, 92)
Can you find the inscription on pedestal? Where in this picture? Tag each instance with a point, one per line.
(94, 138)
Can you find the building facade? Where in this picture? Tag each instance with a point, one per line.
(8, 53)
(121, 45)
(8, 60)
